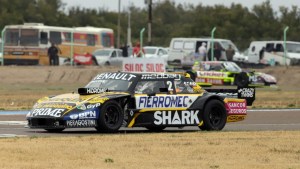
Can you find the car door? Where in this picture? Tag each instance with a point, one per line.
(114, 58)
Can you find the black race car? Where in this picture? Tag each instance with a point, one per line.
(153, 101)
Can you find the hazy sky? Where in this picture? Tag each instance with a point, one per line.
(113, 4)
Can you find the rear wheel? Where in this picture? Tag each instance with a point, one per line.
(111, 117)
(241, 79)
(214, 116)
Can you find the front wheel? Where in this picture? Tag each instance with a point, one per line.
(214, 116)
(111, 117)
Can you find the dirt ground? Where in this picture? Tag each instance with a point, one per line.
(21, 86)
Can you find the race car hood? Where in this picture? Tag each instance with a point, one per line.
(72, 103)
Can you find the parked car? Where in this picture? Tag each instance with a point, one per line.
(109, 56)
(156, 52)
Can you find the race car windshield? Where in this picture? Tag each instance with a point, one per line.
(110, 85)
(232, 67)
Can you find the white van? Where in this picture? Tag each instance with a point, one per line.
(273, 52)
(182, 51)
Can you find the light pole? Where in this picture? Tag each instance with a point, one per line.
(118, 39)
(284, 42)
(129, 29)
(149, 21)
(212, 43)
(2, 46)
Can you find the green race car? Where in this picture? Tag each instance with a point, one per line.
(210, 73)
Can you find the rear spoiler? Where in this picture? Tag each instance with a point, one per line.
(247, 93)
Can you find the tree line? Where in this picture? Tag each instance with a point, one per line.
(236, 22)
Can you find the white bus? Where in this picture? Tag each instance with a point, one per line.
(28, 44)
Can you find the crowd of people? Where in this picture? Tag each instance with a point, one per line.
(214, 53)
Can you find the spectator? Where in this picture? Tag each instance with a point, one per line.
(124, 49)
(261, 54)
(202, 51)
(137, 51)
(53, 54)
(217, 53)
(230, 53)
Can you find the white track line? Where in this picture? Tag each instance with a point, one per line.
(13, 122)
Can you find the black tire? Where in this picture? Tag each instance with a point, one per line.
(55, 130)
(241, 79)
(192, 74)
(111, 117)
(156, 128)
(214, 116)
(107, 63)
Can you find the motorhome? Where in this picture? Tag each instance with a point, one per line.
(273, 52)
(183, 51)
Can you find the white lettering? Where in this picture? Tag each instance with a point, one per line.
(176, 118)
(47, 112)
(164, 101)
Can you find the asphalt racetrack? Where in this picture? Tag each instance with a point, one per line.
(256, 120)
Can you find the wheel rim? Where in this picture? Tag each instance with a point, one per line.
(111, 116)
(215, 116)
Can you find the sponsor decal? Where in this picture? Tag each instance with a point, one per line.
(236, 107)
(211, 73)
(246, 92)
(81, 123)
(92, 114)
(95, 90)
(164, 101)
(47, 112)
(117, 76)
(143, 65)
(98, 100)
(253, 78)
(91, 106)
(131, 113)
(233, 118)
(161, 76)
(17, 53)
(208, 80)
(190, 83)
(80, 106)
(175, 118)
(54, 105)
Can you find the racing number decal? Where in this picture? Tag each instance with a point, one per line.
(253, 78)
(169, 83)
